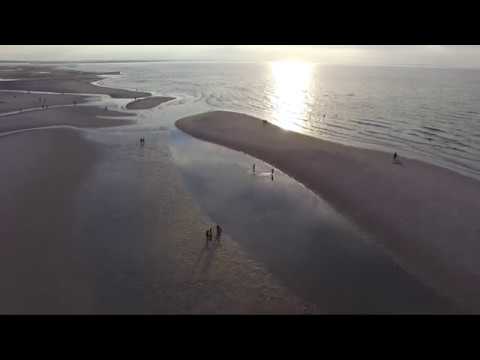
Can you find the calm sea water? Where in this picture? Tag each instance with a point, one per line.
(428, 114)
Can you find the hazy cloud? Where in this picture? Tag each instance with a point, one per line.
(429, 55)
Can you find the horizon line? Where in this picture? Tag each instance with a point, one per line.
(226, 61)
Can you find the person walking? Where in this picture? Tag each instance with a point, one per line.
(219, 232)
(253, 167)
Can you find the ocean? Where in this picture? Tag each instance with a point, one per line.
(423, 113)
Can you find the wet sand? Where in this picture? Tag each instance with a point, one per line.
(40, 267)
(59, 80)
(148, 103)
(317, 253)
(89, 228)
(15, 101)
(425, 216)
(79, 116)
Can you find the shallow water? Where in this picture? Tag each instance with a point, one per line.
(428, 114)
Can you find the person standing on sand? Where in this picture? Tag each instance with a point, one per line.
(209, 235)
(395, 157)
(253, 167)
(219, 232)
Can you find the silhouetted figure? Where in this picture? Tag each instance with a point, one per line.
(253, 167)
(142, 141)
(219, 232)
(273, 171)
(395, 157)
(206, 236)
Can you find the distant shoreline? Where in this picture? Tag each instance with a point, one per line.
(60, 80)
(28, 110)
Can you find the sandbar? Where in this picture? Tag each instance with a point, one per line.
(148, 103)
(425, 216)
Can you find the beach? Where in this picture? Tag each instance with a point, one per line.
(94, 222)
(73, 245)
(91, 227)
(425, 216)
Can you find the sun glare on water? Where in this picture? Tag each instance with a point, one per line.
(291, 86)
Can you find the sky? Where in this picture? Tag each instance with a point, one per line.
(387, 55)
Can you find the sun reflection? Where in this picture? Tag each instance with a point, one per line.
(292, 81)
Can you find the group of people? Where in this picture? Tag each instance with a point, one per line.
(209, 233)
(273, 170)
